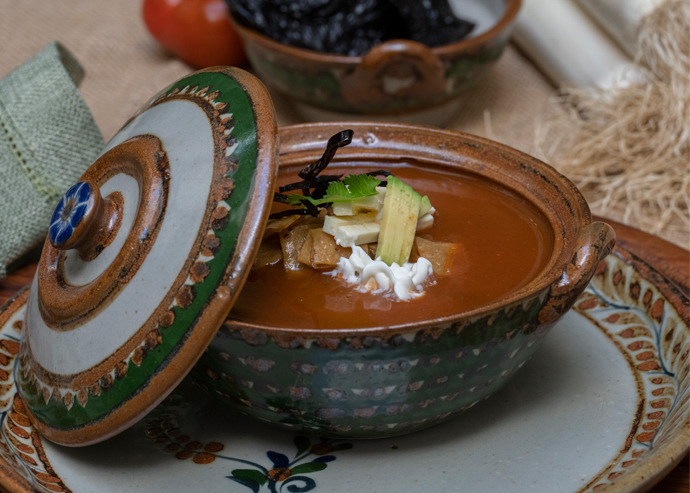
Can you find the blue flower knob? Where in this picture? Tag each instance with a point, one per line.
(70, 213)
(85, 221)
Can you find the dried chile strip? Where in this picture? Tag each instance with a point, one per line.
(311, 180)
(320, 182)
(340, 139)
(381, 172)
(280, 197)
(309, 209)
(290, 212)
(313, 210)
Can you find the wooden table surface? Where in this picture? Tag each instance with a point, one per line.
(671, 260)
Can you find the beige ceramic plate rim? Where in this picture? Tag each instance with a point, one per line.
(669, 455)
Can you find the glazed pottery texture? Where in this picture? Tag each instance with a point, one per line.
(395, 77)
(369, 386)
(145, 255)
(386, 381)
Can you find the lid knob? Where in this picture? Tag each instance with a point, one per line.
(84, 221)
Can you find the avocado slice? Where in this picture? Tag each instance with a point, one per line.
(399, 222)
(424, 206)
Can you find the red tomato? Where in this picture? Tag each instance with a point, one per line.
(196, 31)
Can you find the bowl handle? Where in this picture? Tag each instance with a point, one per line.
(593, 244)
(395, 70)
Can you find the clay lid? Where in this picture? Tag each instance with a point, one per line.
(146, 254)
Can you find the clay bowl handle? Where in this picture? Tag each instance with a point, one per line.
(396, 69)
(406, 50)
(593, 244)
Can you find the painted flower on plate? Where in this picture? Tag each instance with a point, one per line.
(286, 472)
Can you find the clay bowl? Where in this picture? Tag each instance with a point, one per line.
(397, 78)
(384, 381)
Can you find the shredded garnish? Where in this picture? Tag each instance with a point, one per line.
(351, 188)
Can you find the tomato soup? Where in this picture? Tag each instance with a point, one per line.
(504, 242)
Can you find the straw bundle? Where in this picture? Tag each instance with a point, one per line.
(628, 146)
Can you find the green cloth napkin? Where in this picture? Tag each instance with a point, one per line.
(47, 140)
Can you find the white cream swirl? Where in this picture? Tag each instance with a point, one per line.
(406, 281)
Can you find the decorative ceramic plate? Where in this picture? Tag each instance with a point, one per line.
(603, 406)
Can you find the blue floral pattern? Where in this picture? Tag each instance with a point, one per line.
(68, 213)
(285, 475)
(286, 472)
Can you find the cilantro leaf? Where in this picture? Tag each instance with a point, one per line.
(361, 185)
(296, 199)
(351, 188)
(337, 192)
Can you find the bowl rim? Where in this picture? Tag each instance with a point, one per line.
(511, 10)
(536, 287)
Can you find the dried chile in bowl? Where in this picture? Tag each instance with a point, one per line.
(351, 28)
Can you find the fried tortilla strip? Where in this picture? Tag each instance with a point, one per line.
(311, 220)
(438, 253)
(274, 226)
(269, 253)
(369, 249)
(414, 253)
(291, 242)
(326, 252)
(307, 249)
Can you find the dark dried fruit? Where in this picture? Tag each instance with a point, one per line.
(351, 27)
(432, 22)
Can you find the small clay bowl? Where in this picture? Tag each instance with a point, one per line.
(398, 78)
(385, 381)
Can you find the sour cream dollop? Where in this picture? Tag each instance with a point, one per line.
(406, 281)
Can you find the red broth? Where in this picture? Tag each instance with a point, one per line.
(505, 242)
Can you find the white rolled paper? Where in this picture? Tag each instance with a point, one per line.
(567, 45)
(620, 18)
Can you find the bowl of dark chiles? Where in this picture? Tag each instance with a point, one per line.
(377, 59)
